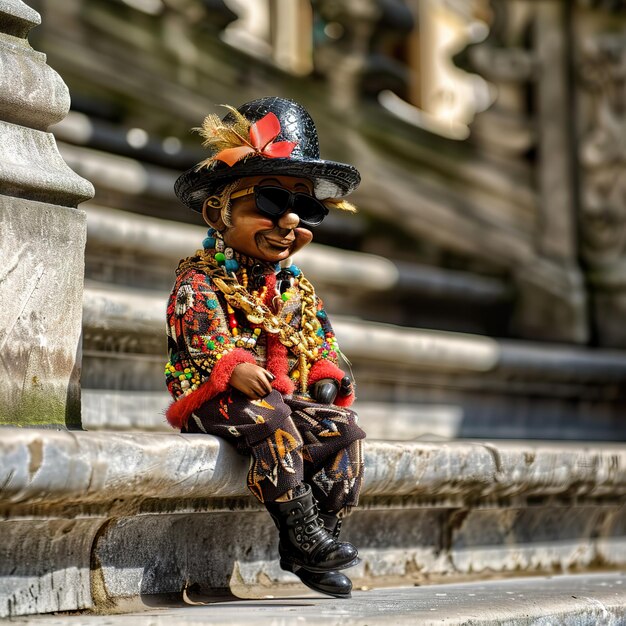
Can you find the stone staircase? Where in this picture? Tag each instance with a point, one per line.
(132, 516)
(108, 521)
(590, 600)
(421, 382)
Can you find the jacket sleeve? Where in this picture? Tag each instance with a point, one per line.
(202, 351)
(328, 364)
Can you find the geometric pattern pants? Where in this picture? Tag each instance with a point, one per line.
(289, 441)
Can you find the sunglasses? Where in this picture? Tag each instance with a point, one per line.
(275, 201)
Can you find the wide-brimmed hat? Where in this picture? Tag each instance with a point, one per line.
(286, 145)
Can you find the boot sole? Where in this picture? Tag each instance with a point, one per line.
(341, 596)
(289, 566)
(294, 570)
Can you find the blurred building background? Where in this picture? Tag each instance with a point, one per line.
(481, 289)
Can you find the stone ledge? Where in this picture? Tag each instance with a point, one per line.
(32, 94)
(142, 312)
(121, 472)
(98, 520)
(32, 168)
(117, 410)
(41, 286)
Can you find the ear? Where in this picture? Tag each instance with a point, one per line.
(213, 214)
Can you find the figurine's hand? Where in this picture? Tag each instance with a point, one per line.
(325, 390)
(252, 380)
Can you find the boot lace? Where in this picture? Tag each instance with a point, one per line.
(309, 529)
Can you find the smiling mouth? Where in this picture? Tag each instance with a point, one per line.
(283, 245)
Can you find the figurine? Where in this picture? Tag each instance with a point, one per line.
(252, 354)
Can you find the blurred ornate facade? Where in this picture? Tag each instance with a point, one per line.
(490, 139)
(534, 196)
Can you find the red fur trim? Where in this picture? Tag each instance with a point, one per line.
(279, 366)
(270, 283)
(179, 411)
(324, 369)
(327, 369)
(277, 362)
(344, 400)
(284, 385)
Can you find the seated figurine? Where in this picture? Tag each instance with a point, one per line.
(252, 355)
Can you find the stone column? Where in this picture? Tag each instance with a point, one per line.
(42, 237)
(528, 133)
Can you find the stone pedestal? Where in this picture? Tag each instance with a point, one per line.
(42, 237)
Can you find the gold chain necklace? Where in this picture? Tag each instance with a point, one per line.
(304, 343)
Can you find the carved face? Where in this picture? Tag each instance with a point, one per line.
(260, 237)
(603, 189)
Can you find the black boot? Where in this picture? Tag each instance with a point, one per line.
(304, 543)
(332, 583)
(332, 524)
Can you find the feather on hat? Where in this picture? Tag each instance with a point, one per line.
(268, 135)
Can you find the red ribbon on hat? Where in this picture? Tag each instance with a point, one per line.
(262, 135)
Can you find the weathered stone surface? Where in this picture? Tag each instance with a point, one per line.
(115, 470)
(426, 414)
(54, 468)
(611, 542)
(226, 552)
(121, 243)
(104, 409)
(142, 312)
(41, 285)
(600, 54)
(117, 309)
(45, 565)
(32, 94)
(32, 168)
(107, 409)
(32, 97)
(43, 245)
(17, 18)
(584, 600)
(127, 565)
(533, 539)
(427, 382)
(172, 511)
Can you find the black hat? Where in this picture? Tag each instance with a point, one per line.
(330, 179)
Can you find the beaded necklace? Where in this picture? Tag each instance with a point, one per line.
(222, 263)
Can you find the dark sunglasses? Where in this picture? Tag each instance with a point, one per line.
(276, 201)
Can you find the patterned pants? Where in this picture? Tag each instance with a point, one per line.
(289, 441)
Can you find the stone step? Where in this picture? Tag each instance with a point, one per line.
(108, 409)
(140, 251)
(586, 599)
(425, 382)
(168, 241)
(95, 520)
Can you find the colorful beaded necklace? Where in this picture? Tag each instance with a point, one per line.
(223, 263)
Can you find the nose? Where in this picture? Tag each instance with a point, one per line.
(288, 220)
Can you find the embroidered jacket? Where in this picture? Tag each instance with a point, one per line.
(207, 339)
